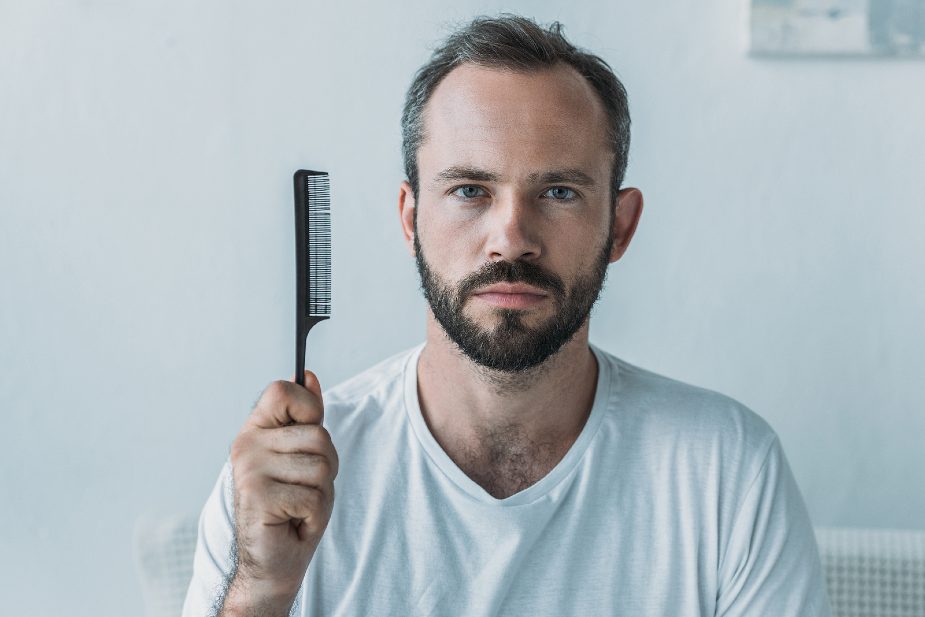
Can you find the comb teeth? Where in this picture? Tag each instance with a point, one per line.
(318, 234)
(313, 257)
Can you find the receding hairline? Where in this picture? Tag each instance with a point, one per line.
(559, 66)
(519, 44)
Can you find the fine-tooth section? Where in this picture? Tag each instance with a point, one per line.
(318, 232)
(313, 257)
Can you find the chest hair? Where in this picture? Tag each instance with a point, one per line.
(504, 461)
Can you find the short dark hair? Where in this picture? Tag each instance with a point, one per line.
(520, 44)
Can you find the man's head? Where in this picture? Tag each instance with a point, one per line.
(517, 44)
(515, 159)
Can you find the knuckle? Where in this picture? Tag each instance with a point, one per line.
(245, 481)
(303, 436)
(309, 437)
(317, 526)
(323, 467)
(316, 518)
(305, 501)
(238, 454)
(320, 435)
(335, 467)
(316, 406)
(244, 446)
(312, 525)
(277, 392)
(335, 458)
(239, 447)
(316, 499)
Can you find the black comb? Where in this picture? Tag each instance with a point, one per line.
(312, 257)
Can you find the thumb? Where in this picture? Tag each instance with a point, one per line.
(312, 384)
(284, 403)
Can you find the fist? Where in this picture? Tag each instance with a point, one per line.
(284, 465)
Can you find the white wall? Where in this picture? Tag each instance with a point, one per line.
(146, 152)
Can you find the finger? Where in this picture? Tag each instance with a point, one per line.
(260, 447)
(305, 438)
(294, 502)
(284, 403)
(312, 470)
(312, 384)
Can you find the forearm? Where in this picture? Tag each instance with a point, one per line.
(249, 598)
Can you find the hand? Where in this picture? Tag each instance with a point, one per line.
(284, 465)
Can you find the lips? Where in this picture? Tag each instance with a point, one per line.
(511, 295)
(511, 288)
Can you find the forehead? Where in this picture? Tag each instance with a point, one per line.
(501, 118)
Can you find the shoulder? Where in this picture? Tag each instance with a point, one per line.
(685, 418)
(376, 390)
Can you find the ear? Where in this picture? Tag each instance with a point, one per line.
(628, 206)
(406, 205)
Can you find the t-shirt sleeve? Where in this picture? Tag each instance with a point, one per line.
(213, 563)
(771, 563)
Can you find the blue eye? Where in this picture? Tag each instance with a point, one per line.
(469, 191)
(561, 193)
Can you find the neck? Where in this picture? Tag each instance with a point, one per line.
(481, 416)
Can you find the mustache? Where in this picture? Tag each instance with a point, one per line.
(510, 272)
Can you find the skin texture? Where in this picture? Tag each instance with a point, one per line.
(505, 429)
(501, 136)
(284, 465)
(512, 347)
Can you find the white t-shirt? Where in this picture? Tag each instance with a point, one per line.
(673, 501)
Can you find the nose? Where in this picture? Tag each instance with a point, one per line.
(513, 230)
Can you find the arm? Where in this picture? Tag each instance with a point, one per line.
(770, 566)
(269, 509)
(214, 560)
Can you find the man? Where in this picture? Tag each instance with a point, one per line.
(507, 467)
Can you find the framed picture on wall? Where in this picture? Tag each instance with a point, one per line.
(837, 27)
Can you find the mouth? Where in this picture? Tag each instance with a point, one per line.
(511, 295)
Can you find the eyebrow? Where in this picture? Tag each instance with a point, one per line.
(452, 174)
(461, 172)
(572, 176)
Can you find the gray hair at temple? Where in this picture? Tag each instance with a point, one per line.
(520, 44)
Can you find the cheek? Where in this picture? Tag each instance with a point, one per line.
(448, 245)
(574, 253)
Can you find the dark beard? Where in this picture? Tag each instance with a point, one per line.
(512, 346)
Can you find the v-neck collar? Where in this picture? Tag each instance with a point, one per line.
(535, 491)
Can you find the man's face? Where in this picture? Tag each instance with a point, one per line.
(513, 219)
